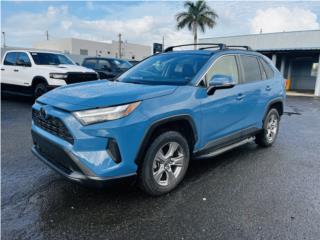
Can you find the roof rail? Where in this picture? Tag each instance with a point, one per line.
(219, 45)
(238, 46)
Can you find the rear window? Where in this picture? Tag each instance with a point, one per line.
(90, 63)
(268, 70)
(251, 69)
(10, 58)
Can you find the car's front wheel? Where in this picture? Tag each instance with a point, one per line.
(165, 163)
(270, 129)
(40, 89)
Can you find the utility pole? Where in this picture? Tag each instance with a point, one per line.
(4, 39)
(120, 43)
(162, 43)
(47, 35)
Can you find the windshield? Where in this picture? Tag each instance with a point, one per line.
(121, 63)
(167, 69)
(50, 59)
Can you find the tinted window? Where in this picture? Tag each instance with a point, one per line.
(90, 63)
(50, 59)
(170, 69)
(104, 64)
(10, 59)
(121, 63)
(251, 68)
(24, 59)
(226, 65)
(267, 68)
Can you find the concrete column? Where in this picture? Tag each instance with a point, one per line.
(274, 59)
(290, 70)
(317, 89)
(283, 64)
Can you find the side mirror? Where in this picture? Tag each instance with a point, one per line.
(219, 81)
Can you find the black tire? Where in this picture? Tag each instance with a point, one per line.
(147, 181)
(265, 138)
(40, 89)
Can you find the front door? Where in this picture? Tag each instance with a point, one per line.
(222, 112)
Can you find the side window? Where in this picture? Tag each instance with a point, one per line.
(104, 64)
(226, 65)
(10, 58)
(251, 69)
(23, 59)
(90, 63)
(267, 68)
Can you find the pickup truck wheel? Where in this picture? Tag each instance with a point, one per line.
(165, 163)
(40, 89)
(270, 129)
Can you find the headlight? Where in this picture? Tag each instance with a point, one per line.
(58, 75)
(105, 114)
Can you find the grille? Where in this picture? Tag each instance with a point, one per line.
(81, 77)
(52, 125)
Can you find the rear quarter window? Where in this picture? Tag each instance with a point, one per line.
(267, 68)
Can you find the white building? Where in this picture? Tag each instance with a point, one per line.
(74, 46)
(296, 54)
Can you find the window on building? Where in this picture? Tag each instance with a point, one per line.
(251, 68)
(226, 65)
(83, 51)
(11, 58)
(314, 69)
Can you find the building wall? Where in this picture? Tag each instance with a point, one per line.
(297, 39)
(75, 46)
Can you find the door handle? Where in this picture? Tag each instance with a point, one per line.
(2, 69)
(240, 96)
(268, 88)
(16, 70)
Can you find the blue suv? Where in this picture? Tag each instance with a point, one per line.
(155, 117)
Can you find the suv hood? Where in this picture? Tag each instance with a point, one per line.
(64, 68)
(102, 93)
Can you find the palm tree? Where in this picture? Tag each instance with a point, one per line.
(198, 14)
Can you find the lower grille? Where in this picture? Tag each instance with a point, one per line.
(81, 77)
(54, 154)
(52, 125)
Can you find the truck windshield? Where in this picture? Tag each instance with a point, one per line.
(40, 58)
(121, 63)
(166, 69)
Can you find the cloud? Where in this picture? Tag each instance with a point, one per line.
(278, 19)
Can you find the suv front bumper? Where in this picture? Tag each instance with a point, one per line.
(65, 163)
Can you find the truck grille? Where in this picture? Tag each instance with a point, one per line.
(52, 125)
(81, 77)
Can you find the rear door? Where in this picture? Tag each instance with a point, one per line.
(8, 69)
(23, 70)
(253, 88)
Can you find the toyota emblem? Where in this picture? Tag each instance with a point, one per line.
(43, 113)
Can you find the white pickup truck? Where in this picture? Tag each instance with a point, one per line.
(33, 73)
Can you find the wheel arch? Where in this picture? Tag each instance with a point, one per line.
(277, 104)
(38, 79)
(180, 123)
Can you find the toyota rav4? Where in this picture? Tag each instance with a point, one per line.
(166, 110)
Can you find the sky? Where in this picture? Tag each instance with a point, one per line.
(146, 22)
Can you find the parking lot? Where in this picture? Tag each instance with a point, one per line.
(248, 193)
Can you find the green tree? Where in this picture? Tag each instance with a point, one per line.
(197, 14)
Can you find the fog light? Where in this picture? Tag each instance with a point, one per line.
(113, 150)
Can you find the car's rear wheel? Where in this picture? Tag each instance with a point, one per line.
(165, 163)
(40, 89)
(270, 129)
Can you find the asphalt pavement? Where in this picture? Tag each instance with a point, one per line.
(247, 193)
